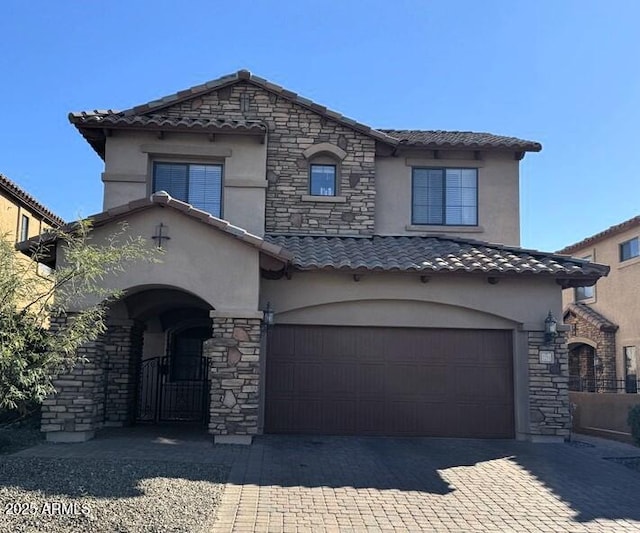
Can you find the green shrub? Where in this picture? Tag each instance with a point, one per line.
(633, 419)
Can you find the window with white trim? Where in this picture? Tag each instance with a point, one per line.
(322, 179)
(197, 184)
(444, 196)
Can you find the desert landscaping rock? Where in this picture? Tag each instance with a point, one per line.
(120, 495)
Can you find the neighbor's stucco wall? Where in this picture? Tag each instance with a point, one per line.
(198, 259)
(11, 218)
(617, 296)
(498, 194)
(129, 158)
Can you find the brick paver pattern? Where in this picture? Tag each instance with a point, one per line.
(295, 484)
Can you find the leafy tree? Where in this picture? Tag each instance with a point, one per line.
(31, 353)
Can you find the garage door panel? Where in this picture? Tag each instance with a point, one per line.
(389, 381)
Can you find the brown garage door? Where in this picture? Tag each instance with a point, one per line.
(389, 381)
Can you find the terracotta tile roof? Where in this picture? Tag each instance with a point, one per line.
(22, 196)
(164, 200)
(461, 139)
(609, 232)
(103, 120)
(442, 139)
(591, 315)
(430, 255)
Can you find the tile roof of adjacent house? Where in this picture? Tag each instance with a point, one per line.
(591, 315)
(461, 139)
(29, 201)
(609, 232)
(434, 254)
(441, 139)
(163, 199)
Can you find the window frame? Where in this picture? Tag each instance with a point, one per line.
(444, 196)
(335, 178)
(24, 228)
(592, 287)
(188, 163)
(621, 248)
(630, 353)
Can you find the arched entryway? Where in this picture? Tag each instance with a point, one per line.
(168, 376)
(583, 367)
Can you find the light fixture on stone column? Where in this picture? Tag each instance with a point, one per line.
(550, 328)
(268, 316)
(161, 234)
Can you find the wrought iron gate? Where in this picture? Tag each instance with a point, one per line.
(166, 394)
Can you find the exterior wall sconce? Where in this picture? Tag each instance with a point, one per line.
(550, 328)
(268, 316)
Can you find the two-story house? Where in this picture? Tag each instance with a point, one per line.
(604, 339)
(318, 276)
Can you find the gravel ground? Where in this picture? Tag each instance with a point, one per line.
(78, 495)
(16, 438)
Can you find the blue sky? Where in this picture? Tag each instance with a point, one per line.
(565, 73)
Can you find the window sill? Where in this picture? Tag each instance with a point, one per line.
(443, 229)
(629, 262)
(586, 301)
(325, 199)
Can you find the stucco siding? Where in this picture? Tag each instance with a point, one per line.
(518, 301)
(498, 194)
(198, 259)
(129, 170)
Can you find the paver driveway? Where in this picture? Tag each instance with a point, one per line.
(385, 484)
(378, 484)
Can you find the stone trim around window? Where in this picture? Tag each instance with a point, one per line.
(324, 148)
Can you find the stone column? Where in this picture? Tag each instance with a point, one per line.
(234, 353)
(549, 418)
(122, 350)
(75, 411)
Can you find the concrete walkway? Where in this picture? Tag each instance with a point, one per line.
(387, 484)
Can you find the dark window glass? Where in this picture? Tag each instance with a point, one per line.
(445, 196)
(585, 293)
(629, 249)
(631, 369)
(323, 180)
(198, 185)
(24, 228)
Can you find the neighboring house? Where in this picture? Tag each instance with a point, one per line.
(21, 215)
(604, 339)
(319, 276)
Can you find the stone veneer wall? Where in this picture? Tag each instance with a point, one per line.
(234, 353)
(123, 350)
(77, 408)
(605, 340)
(548, 392)
(293, 129)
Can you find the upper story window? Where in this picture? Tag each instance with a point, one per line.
(198, 185)
(445, 196)
(24, 228)
(585, 293)
(629, 249)
(322, 180)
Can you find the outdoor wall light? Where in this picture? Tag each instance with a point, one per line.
(268, 315)
(550, 328)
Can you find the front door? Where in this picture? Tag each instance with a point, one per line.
(175, 387)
